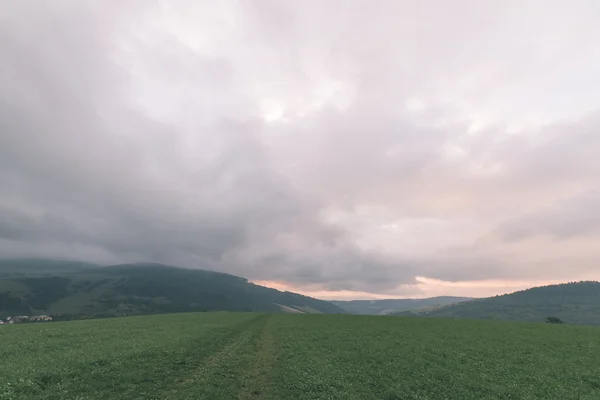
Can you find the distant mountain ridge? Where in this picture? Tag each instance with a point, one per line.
(574, 302)
(388, 306)
(78, 290)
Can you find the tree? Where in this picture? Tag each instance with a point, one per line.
(553, 320)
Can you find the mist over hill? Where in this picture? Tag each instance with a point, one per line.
(68, 289)
(388, 306)
(73, 290)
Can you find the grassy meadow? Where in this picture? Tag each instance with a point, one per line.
(294, 356)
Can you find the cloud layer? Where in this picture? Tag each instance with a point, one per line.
(333, 146)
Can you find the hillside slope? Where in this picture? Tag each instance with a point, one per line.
(575, 303)
(77, 290)
(387, 306)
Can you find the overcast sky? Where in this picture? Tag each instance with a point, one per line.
(344, 149)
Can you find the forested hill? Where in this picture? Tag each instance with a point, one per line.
(387, 306)
(77, 290)
(575, 303)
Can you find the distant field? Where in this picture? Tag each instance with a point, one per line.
(296, 356)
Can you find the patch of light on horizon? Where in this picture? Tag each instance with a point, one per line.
(488, 283)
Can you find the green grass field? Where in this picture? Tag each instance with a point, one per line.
(292, 356)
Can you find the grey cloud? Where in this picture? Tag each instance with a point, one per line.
(576, 216)
(134, 132)
(85, 171)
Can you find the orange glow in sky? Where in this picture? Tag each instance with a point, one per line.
(426, 287)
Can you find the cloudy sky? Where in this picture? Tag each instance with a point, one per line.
(344, 149)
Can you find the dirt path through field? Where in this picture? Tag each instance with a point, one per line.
(258, 382)
(220, 375)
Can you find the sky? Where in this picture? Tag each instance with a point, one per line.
(342, 149)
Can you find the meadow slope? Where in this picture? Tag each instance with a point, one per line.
(286, 356)
(74, 290)
(573, 303)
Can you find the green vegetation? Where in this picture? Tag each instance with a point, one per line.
(77, 290)
(388, 306)
(290, 356)
(572, 303)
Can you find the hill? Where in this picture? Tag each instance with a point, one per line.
(387, 306)
(575, 303)
(76, 290)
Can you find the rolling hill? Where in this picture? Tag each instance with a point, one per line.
(387, 306)
(575, 303)
(76, 290)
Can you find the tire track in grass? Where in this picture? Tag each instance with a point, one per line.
(258, 381)
(146, 361)
(219, 376)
